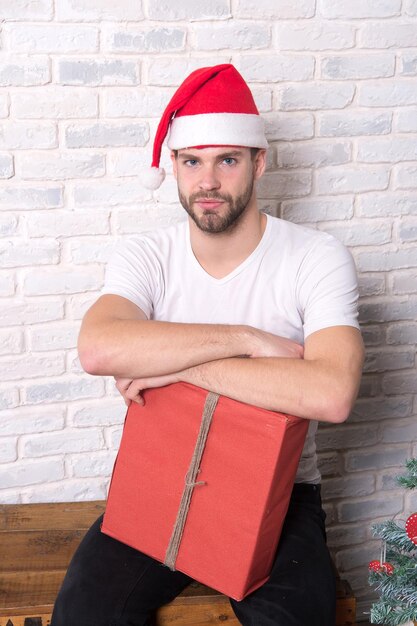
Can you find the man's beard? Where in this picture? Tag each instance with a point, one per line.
(212, 221)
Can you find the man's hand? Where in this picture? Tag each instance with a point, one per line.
(268, 345)
(131, 389)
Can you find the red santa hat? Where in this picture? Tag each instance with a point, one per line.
(213, 107)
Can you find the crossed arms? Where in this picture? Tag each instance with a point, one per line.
(241, 362)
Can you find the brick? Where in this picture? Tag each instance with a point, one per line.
(352, 179)
(79, 304)
(407, 230)
(387, 35)
(314, 154)
(86, 440)
(62, 281)
(402, 334)
(392, 310)
(64, 390)
(24, 473)
(52, 38)
(345, 436)
(7, 285)
(189, 10)
(109, 194)
(352, 123)
(97, 72)
(87, 466)
(358, 66)
(276, 68)
(317, 209)
(406, 382)
(24, 72)
(66, 491)
(108, 414)
(280, 9)
(408, 64)
(166, 72)
(371, 286)
(232, 36)
(90, 250)
(315, 96)
(410, 7)
(369, 509)
(405, 120)
(290, 184)
(360, 556)
(61, 166)
(56, 103)
(348, 486)
(111, 10)
(329, 463)
(73, 362)
(137, 102)
(144, 40)
(27, 135)
(8, 450)
(376, 409)
(388, 481)
(8, 224)
(263, 99)
(390, 260)
(9, 398)
(20, 253)
(31, 366)
(54, 337)
(115, 437)
(387, 93)
(31, 197)
(6, 166)
(361, 234)
(16, 313)
(406, 175)
(11, 342)
(339, 536)
(386, 205)
(4, 105)
(26, 420)
(26, 11)
(372, 335)
(358, 9)
(139, 220)
(64, 223)
(103, 135)
(289, 126)
(313, 36)
(389, 150)
(127, 162)
(387, 360)
(404, 282)
(400, 432)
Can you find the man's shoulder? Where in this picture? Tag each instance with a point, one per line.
(298, 235)
(158, 238)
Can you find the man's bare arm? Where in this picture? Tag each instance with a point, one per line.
(322, 386)
(116, 339)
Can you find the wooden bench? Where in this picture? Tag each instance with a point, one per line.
(36, 544)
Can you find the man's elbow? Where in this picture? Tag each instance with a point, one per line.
(92, 356)
(337, 408)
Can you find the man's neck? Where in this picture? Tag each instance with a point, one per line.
(220, 253)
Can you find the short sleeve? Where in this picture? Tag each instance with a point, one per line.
(132, 273)
(327, 287)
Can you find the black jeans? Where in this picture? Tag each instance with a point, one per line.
(110, 584)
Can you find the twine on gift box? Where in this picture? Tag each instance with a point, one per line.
(190, 481)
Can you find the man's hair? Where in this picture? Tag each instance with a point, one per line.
(253, 153)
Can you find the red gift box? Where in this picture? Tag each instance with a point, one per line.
(237, 499)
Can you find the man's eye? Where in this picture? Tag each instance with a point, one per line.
(191, 162)
(229, 161)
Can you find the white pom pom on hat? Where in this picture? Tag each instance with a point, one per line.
(213, 107)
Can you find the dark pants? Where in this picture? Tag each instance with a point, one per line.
(110, 584)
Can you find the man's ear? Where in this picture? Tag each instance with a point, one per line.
(173, 156)
(259, 163)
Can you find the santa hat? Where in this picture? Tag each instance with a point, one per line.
(212, 107)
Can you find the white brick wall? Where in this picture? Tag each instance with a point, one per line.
(81, 88)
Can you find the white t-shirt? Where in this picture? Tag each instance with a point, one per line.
(295, 282)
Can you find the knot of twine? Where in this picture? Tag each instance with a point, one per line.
(190, 481)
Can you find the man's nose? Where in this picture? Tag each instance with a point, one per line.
(209, 179)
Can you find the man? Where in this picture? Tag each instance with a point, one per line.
(238, 303)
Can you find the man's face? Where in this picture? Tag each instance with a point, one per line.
(215, 185)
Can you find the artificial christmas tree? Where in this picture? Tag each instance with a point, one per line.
(395, 574)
